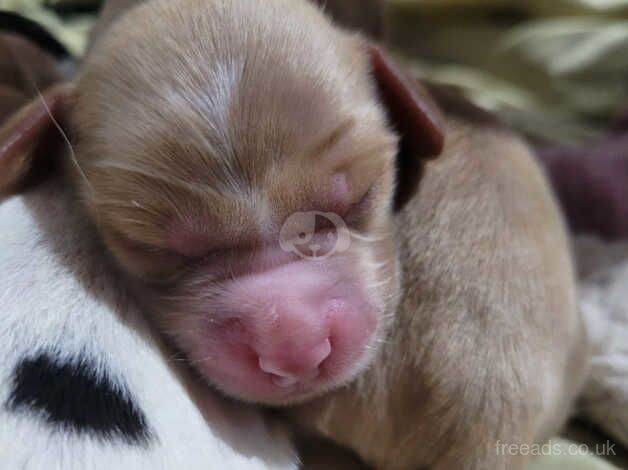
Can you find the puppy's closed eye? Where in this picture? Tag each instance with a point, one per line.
(146, 261)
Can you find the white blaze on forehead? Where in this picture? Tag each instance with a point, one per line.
(223, 82)
(212, 100)
(199, 118)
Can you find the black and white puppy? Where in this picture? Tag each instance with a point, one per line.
(83, 382)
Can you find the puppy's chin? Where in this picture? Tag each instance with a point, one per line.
(235, 371)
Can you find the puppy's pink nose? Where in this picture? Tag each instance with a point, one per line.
(292, 367)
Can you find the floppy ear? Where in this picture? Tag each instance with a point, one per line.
(414, 115)
(29, 139)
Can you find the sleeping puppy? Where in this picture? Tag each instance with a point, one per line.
(486, 349)
(254, 173)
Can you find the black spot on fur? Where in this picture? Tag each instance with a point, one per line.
(73, 397)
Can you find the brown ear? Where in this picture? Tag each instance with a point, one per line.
(414, 115)
(29, 139)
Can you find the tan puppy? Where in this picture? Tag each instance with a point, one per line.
(486, 349)
(253, 171)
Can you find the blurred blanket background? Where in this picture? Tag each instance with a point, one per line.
(557, 71)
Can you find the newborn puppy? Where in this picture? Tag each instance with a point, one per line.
(486, 349)
(196, 155)
(253, 170)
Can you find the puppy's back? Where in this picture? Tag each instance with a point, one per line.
(488, 345)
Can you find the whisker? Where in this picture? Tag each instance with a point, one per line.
(367, 238)
(199, 360)
(29, 75)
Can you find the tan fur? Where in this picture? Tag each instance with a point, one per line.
(229, 135)
(207, 112)
(487, 345)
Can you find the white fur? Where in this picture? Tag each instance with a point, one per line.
(58, 292)
(603, 295)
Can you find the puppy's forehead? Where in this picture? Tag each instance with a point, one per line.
(218, 99)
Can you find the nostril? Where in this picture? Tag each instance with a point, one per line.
(290, 368)
(271, 367)
(321, 352)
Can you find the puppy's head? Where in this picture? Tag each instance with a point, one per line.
(243, 161)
